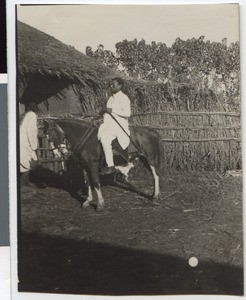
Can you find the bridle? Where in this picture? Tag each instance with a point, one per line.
(61, 149)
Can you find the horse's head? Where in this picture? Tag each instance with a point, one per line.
(56, 138)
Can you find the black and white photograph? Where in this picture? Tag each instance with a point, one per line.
(129, 161)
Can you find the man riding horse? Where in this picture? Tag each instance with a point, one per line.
(85, 142)
(115, 123)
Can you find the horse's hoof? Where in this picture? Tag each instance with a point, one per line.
(85, 205)
(99, 208)
(155, 200)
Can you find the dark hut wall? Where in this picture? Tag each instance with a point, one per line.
(68, 103)
(39, 87)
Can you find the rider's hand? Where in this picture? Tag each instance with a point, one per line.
(102, 112)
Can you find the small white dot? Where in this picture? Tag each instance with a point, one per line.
(193, 261)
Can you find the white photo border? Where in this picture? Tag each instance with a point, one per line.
(11, 56)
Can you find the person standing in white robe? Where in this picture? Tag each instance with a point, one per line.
(28, 142)
(119, 106)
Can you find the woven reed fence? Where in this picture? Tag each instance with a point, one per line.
(191, 140)
(45, 152)
(196, 140)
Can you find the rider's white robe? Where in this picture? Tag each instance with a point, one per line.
(121, 110)
(28, 141)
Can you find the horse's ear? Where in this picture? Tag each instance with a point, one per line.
(46, 125)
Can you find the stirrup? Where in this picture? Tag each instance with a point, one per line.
(108, 170)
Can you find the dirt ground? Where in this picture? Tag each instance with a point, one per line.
(134, 246)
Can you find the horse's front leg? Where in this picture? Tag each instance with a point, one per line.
(156, 183)
(89, 197)
(97, 186)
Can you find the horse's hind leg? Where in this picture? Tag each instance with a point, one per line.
(97, 186)
(89, 197)
(101, 203)
(156, 183)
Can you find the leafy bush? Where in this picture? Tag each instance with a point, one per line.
(190, 75)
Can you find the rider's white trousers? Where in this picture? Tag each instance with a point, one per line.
(107, 148)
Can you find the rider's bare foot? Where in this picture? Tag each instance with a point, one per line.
(108, 170)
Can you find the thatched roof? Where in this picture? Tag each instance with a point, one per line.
(46, 66)
(48, 69)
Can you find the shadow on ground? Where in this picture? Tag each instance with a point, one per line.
(73, 179)
(57, 265)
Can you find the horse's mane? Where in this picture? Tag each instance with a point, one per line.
(59, 129)
(142, 128)
(74, 121)
(78, 124)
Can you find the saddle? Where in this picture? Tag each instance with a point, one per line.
(119, 152)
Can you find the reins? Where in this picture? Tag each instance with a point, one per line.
(126, 134)
(85, 136)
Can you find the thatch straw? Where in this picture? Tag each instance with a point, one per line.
(46, 66)
(40, 53)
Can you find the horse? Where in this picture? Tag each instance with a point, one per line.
(79, 138)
